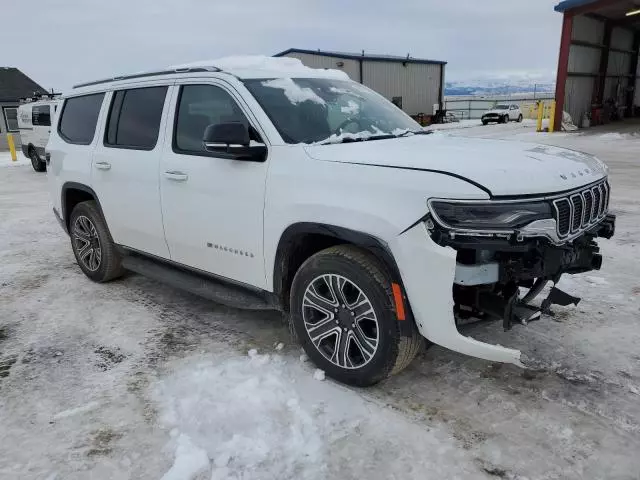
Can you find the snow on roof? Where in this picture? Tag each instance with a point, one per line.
(259, 66)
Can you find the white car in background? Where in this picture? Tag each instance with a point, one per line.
(502, 113)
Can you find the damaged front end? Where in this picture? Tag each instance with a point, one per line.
(508, 250)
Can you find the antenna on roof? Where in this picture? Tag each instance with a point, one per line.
(408, 56)
(363, 53)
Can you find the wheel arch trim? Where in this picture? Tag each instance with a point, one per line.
(75, 186)
(374, 245)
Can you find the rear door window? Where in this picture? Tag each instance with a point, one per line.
(134, 118)
(79, 118)
(41, 115)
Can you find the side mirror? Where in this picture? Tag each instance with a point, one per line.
(232, 140)
(226, 134)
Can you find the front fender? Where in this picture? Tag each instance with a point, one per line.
(372, 200)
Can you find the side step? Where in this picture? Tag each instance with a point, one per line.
(202, 285)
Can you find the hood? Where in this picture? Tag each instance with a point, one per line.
(504, 168)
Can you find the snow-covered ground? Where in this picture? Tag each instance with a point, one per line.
(135, 380)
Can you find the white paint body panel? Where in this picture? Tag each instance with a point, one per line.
(379, 188)
(213, 219)
(128, 190)
(505, 168)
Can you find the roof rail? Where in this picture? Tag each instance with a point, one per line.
(150, 74)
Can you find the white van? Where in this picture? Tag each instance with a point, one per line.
(34, 122)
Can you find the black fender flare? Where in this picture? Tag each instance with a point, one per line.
(75, 186)
(374, 245)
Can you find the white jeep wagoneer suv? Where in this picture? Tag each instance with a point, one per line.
(260, 183)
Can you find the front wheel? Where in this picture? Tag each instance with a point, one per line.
(343, 312)
(36, 162)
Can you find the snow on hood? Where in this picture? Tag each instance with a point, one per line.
(249, 65)
(503, 167)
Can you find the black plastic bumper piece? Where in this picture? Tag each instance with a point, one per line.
(608, 227)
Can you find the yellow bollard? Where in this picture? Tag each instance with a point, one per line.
(12, 147)
(540, 115)
(552, 117)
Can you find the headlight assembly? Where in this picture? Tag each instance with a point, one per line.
(488, 215)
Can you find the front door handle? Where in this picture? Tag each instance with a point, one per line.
(103, 166)
(176, 176)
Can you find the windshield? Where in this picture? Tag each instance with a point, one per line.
(501, 107)
(309, 110)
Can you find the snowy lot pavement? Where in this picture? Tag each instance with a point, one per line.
(136, 380)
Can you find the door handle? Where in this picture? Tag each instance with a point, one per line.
(103, 166)
(176, 176)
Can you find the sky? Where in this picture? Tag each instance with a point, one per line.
(62, 42)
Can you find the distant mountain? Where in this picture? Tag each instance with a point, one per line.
(499, 86)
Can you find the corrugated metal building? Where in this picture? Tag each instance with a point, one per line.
(414, 84)
(598, 60)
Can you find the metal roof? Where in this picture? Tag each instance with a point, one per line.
(569, 4)
(15, 85)
(357, 56)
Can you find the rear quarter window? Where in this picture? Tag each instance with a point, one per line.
(79, 118)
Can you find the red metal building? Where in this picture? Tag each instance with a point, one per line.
(598, 62)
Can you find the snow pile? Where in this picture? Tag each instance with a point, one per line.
(616, 136)
(294, 92)
(190, 461)
(286, 65)
(261, 416)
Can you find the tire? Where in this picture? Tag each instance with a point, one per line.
(358, 272)
(88, 231)
(520, 118)
(484, 123)
(37, 163)
(506, 119)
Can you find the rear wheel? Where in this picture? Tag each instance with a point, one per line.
(520, 118)
(36, 162)
(484, 122)
(343, 312)
(92, 245)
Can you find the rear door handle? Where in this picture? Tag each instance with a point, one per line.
(176, 176)
(103, 166)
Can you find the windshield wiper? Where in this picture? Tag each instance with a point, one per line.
(357, 139)
(414, 132)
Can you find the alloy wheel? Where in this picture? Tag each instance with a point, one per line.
(87, 243)
(340, 321)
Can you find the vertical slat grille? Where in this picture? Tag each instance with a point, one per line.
(578, 211)
(563, 209)
(603, 200)
(588, 207)
(582, 209)
(597, 202)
